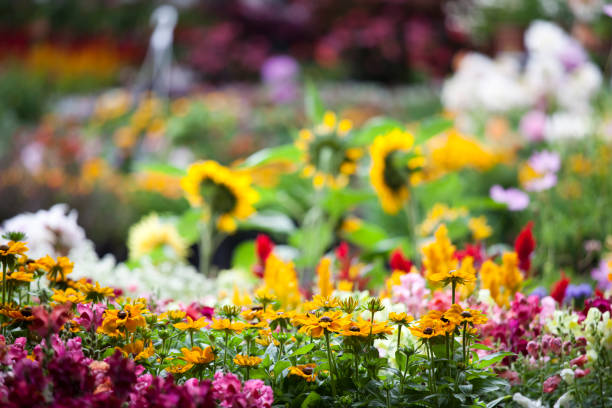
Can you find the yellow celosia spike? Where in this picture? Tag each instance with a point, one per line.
(324, 277)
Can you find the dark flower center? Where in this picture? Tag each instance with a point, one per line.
(428, 331)
(308, 370)
(26, 311)
(4, 248)
(256, 308)
(122, 314)
(394, 179)
(220, 198)
(444, 319)
(466, 314)
(354, 328)
(325, 319)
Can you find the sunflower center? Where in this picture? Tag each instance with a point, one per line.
(26, 311)
(327, 153)
(325, 319)
(4, 248)
(122, 314)
(428, 331)
(354, 328)
(444, 319)
(393, 176)
(466, 314)
(220, 198)
(307, 370)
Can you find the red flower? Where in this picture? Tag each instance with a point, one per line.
(524, 246)
(475, 251)
(558, 290)
(46, 323)
(263, 248)
(342, 251)
(399, 262)
(551, 383)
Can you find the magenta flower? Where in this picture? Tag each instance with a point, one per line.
(532, 125)
(258, 394)
(90, 315)
(551, 383)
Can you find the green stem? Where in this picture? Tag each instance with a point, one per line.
(226, 350)
(3, 283)
(453, 287)
(399, 335)
(411, 212)
(206, 249)
(331, 364)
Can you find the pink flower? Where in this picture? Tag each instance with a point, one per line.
(532, 125)
(258, 394)
(556, 345)
(226, 389)
(46, 323)
(512, 376)
(515, 199)
(548, 306)
(546, 340)
(90, 315)
(579, 361)
(551, 383)
(533, 349)
(579, 372)
(412, 292)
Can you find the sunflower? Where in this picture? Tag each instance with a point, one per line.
(226, 194)
(151, 234)
(327, 152)
(247, 361)
(306, 371)
(316, 326)
(395, 166)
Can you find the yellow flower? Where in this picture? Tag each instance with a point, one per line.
(226, 194)
(363, 328)
(138, 350)
(464, 275)
(227, 326)
(247, 361)
(512, 276)
(129, 318)
(191, 324)
(438, 256)
(324, 274)
(252, 313)
(68, 295)
(438, 213)
(13, 248)
(95, 293)
(424, 331)
(326, 152)
(280, 279)
(316, 326)
(196, 356)
(18, 277)
(321, 302)
(306, 371)
(391, 180)
(56, 270)
(265, 338)
(174, 315)
(151, 234)
(480, 229)
(400, 318)
(458, 315)
(454, 151)
(345, 286)
(441, 323)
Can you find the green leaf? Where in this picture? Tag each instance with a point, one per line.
(188, 225)
(263, 156)
(270, 221)
(303, 350)
(280, 366)
(313, 104)
(339, 201)
(491, 359)
(161, 168)
(367, 236)
(311, 401)
(432, 127)
(244, 256)
(497, 401)
(375, 127)
(479, 346)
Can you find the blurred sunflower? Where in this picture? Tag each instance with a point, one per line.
(395, 166)
(152, 234)
(327, 153)
(225, 194)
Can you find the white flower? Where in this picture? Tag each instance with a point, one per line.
(545, 38)
(568, 375)
(564, 400)
(564, 125)
(525, 402)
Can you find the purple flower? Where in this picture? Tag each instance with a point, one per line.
(90, 315)
(573, 56)
(515, 199)
(545, 162)
(581, 291)
(532, 125)
(226, 389)
(607, 9)
(279, 68)
(540, 292)
(600, 274)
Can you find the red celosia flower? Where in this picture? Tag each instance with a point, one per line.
(342, 251)
(475, 251)
(263, 248)
(558, 290)
(524, 245)
(399, 262)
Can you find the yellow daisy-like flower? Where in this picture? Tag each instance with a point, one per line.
(150, 234)
(306, 371)
(191, 324)
(438, 256)
(95, 292)
(227, 325)
(461, 276)
(439, 321)
(56, 270)
(195, 356)
(247, 361)
(479, 228)
(226, 194)
(459, 315)
(327, 153)
(13, 248)
(68, 295)
(138, 351)
(129, 318)
(265, 338)
(316, 326)
(321, 302)
(424, 331)
(400, 318)
(174, 315)
(395, 166)
(19, 277)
